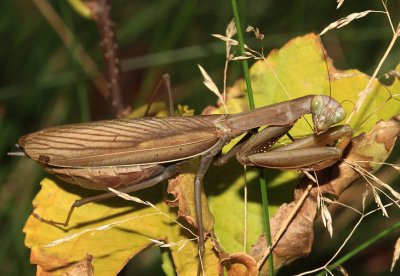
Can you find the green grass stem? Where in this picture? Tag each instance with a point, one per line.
(263, 183)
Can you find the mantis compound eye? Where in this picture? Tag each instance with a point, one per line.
(339, 116)
(317, 104)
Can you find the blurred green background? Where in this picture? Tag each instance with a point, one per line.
(43, 84)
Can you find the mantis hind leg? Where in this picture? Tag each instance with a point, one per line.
(205, 163)
(167, 173)
(166, 80)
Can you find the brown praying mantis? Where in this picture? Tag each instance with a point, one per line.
(133, 154)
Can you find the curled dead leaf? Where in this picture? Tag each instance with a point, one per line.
(240, 264)
(182, 189)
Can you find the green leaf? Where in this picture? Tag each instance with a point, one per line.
(301, 68)
(111, 247)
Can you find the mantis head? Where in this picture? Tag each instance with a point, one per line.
(326, 112)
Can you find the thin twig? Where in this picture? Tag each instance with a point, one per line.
(368, 89)
(101, 10)
(327, 264)
(388, 15)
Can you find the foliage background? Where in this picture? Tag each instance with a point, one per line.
(43, 85)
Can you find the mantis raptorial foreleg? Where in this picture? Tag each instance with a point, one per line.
(314, 152)
(311, 153)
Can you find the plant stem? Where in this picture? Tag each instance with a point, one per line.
(101, 11)
(263, 185)
(245, 65)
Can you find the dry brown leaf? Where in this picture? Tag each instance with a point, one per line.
(83, 268)
(182, 188)
(299, 235)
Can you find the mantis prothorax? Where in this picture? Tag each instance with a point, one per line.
(133, 154)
